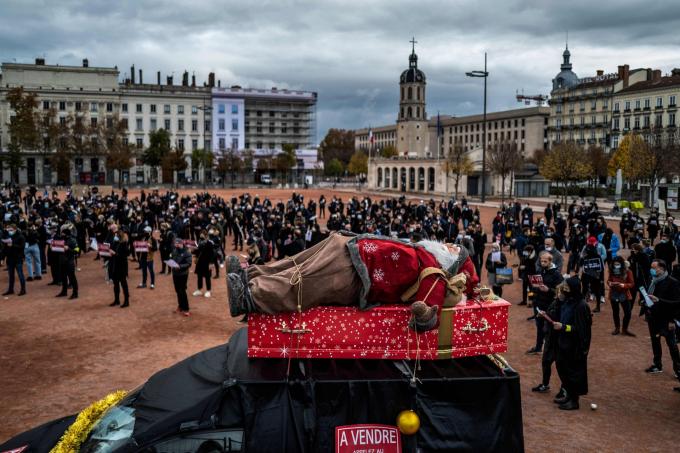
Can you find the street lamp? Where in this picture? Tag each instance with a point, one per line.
(485, 75)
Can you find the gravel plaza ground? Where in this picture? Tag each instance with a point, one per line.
(58, 355)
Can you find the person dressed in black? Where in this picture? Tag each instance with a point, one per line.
(118, 268)
(204, 258)
(664, 292)
(180, 274)
(67, 263)
(166, 246)
(527, 264)
(544, 294)
(592, 276)
(573, 343)
(14, 243)
(550, 347)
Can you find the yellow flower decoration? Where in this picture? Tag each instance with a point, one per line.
(76, 434)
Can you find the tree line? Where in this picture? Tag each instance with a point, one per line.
(64, 139)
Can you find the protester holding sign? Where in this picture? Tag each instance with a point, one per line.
(496, 262)
(143, 248)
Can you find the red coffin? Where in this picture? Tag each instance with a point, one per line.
(467, 329)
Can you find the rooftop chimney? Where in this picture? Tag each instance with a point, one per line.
(40, 62)
(193, 80)
(219, 83)
(600, 72)
(169, 79)
(211, 79)
(623, 74)
(675, 72)
(185, 79)
(159, 77)
(140, 76)
(656, 75)
(86, 64)
(132, 74)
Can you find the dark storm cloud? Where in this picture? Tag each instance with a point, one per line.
(351, 52)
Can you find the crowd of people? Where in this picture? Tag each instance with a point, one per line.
(634, 265)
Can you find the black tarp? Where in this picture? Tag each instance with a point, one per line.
(464, 404)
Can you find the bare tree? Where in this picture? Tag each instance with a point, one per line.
(458, 163)
(504, 159)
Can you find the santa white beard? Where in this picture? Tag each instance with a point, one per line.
(444, 257)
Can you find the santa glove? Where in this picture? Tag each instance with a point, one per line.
(424, 317)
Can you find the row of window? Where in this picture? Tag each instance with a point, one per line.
(475, 137)
(489, 125)
(272, 114)
(646, 121)
(80, 106)
(222, 108)
(582, 106)
(593, 121)
(645, 102)
(221, 124)
(410, 93)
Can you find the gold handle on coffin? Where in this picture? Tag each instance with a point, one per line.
(285, 329)
(469, 329)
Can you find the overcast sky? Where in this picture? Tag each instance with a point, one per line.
(351, 52)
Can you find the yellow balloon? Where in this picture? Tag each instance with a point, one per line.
(408, 422)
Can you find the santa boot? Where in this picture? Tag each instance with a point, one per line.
(424, 317)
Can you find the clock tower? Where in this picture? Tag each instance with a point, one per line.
(412, 124)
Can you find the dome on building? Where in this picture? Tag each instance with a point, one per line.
(566, 77)
(412, 74)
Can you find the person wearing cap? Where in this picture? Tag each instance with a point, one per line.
(67, 262)
(14, 243)
(180, 275)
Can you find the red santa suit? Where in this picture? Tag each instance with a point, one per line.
(388, 268)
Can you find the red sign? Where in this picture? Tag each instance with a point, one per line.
(104, 249)
(57, 246)
(367, 439)
(141, 246)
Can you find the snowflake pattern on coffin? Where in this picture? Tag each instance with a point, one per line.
(378, 275)
(378, 333)
(370, 247)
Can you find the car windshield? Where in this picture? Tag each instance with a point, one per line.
(112, 431)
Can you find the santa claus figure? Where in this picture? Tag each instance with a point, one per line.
(363, 270)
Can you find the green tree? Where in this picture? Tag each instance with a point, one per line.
(119, 154)
(358, 164)
(24, 129)
(334, 168)
(389, 151)
(285, 160)
(159, 147)
(599, 163)
(174, 161)
(458, 163)
(566, 163)
(504, 159)
(338, 144)
(202, 158)
(229, 163)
